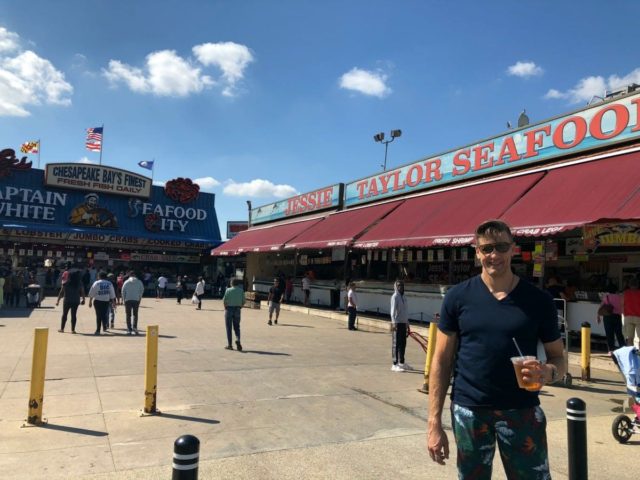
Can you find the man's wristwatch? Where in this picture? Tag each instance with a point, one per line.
(554, 373)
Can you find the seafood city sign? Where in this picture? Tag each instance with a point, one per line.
(97, 178)
(593, 127)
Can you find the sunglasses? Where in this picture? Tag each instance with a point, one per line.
(500, 247)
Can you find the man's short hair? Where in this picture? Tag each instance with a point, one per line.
(102, 274)
(235, 282)
(492, 228)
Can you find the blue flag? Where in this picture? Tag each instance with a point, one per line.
(146, 164)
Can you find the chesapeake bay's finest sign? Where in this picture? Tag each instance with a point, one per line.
(600, 125)
(321, 199)
(97, 178)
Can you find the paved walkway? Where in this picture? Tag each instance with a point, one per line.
(305, 399)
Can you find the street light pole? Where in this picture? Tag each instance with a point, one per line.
(379, 137)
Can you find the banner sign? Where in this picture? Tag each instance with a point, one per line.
(235, 227)
(612, 235)
(322, 199)
(151, 257)
(28, 208)
(593, 127)
(97, 178)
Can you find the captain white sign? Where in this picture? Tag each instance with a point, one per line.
(97, 178)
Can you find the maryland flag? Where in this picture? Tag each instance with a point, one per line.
(30, 147)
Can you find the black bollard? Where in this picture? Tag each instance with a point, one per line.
(577, 438)
(185, 458)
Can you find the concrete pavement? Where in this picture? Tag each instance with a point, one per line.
(305, 399)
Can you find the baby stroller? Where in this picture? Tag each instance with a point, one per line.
(34, 295)
(628, 361)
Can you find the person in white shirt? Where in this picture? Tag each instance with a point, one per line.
(199, 292)
(352, 306)
(132, 291)
(102, 294)
(306, 288)
(162, 286)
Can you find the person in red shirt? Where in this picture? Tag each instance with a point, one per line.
(631, 311)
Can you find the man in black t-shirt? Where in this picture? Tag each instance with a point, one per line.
(481, 320)
(275, 297)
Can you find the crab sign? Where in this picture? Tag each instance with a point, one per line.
(9, 162)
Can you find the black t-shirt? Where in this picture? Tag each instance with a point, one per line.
(484, 375)
(276, 294)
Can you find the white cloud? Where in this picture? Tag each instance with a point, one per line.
(587, 87)
(165, 73)
(8, 40)
(525, 69)
(159, 183)
(365, 82)
(206, 182)
(258, 188)
(85, 160)
(27, 79)
(230, 57)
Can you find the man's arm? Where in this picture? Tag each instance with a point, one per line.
(555, 360)
(439, 378)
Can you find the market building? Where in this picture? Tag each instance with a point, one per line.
(569, 187)
(95, 215)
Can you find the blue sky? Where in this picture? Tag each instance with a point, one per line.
(261, 99)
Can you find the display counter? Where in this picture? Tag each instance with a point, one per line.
(583, 311)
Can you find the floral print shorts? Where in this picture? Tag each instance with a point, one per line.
(521, 437)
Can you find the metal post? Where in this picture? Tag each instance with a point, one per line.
(586, 351)
(151, 372)
(431, 346)
(186, 454)
(38, 365)
(577, 438)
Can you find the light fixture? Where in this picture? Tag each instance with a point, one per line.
(379, 137)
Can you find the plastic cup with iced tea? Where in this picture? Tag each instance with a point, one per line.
(518, 363)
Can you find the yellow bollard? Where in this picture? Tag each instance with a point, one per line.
(586, 351)
(38, 365)
(431, 345)
(151, 372)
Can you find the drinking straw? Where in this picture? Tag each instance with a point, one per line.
(516, 344)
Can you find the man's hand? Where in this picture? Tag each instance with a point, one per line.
(437, 444)
(392, 327)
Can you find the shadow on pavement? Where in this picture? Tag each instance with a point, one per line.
(260, 352)
(187, 418)
(292, 325)
(80, 431)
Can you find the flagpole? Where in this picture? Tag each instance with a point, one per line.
(153, 167)
(39, 150)
(102, 144)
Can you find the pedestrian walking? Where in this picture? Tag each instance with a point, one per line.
(8, 289)
(481, 321)
(399, 327)
(233, 300)
(180, 288)
(112, 306)
(631, 311)
(288, 289)
(199, 292)
(72, 295)
(132, 291)
(276, 293)
(612, 318)
(352, 306)
(306, 288)
(101, 296)
(162, 286)
(119, 283)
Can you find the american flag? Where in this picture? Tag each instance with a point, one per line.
(94, 139)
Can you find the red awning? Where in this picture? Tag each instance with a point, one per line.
(341, 228)
(264, 239)
(572, 196)
(446, 218)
